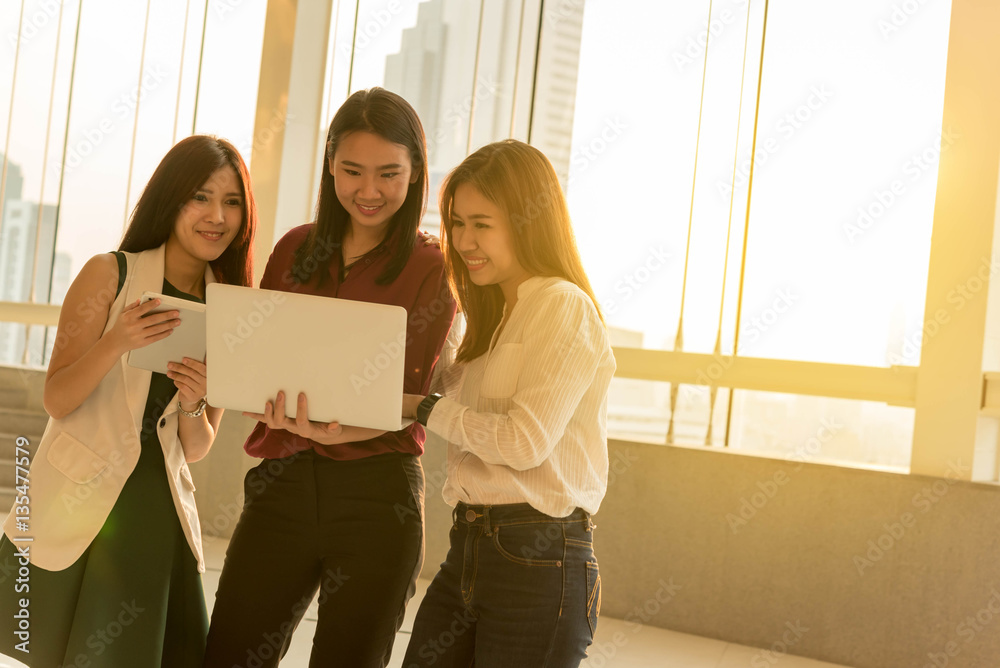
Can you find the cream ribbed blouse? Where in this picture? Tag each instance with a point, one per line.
(527, 421)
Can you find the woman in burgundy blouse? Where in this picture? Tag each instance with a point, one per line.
(334, 508)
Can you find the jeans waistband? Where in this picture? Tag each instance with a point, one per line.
(513, 513)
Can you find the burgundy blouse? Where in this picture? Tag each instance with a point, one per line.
(421, 288)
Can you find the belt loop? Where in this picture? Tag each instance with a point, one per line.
(486, 520)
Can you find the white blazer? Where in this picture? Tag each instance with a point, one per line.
(84, 459)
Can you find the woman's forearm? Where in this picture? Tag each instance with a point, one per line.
(410, 403)
(356, 434)
(197, 434)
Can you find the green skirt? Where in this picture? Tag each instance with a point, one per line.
(134, 599)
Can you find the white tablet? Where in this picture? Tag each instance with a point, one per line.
(187, 339)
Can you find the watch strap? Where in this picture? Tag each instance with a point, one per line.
(424, 408)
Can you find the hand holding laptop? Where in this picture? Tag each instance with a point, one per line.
(274, 417)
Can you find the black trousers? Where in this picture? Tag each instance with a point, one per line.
(353, 531)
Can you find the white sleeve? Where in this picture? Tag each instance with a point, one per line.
(564, 342)
(446, 372)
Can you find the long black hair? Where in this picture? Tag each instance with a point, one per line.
(389, 116)
(185, 168)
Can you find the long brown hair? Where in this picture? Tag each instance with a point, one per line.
(521, 181)
(184, 169)
(389, 116)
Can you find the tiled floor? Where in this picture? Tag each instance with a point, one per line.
(617, 645)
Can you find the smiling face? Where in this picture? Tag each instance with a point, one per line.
(211, 219)
(482, 235)
(371, 175)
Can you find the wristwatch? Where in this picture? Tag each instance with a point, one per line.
(424, 408)
(196, 412)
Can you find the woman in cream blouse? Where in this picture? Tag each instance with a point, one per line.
(524, 414)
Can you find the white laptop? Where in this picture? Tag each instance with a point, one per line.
(347, 356)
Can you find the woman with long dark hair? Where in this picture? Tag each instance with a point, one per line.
(111, 573)
(525, 419)
(334, 508)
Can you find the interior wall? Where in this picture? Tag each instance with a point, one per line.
(855, 567)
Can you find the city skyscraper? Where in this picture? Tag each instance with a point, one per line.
(434, 72)
(20, 223)
(15, 180)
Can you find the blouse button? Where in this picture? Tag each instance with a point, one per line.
(163, 422)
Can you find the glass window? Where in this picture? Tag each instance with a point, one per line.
(844, 174)
(843, 195)
(30, 265)
(129, 106)
(460, 81)
(230, 74)
(820, 429)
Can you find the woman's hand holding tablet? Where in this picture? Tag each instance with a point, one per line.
(158, 338)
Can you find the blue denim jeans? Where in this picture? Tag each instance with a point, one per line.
(518, 588)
